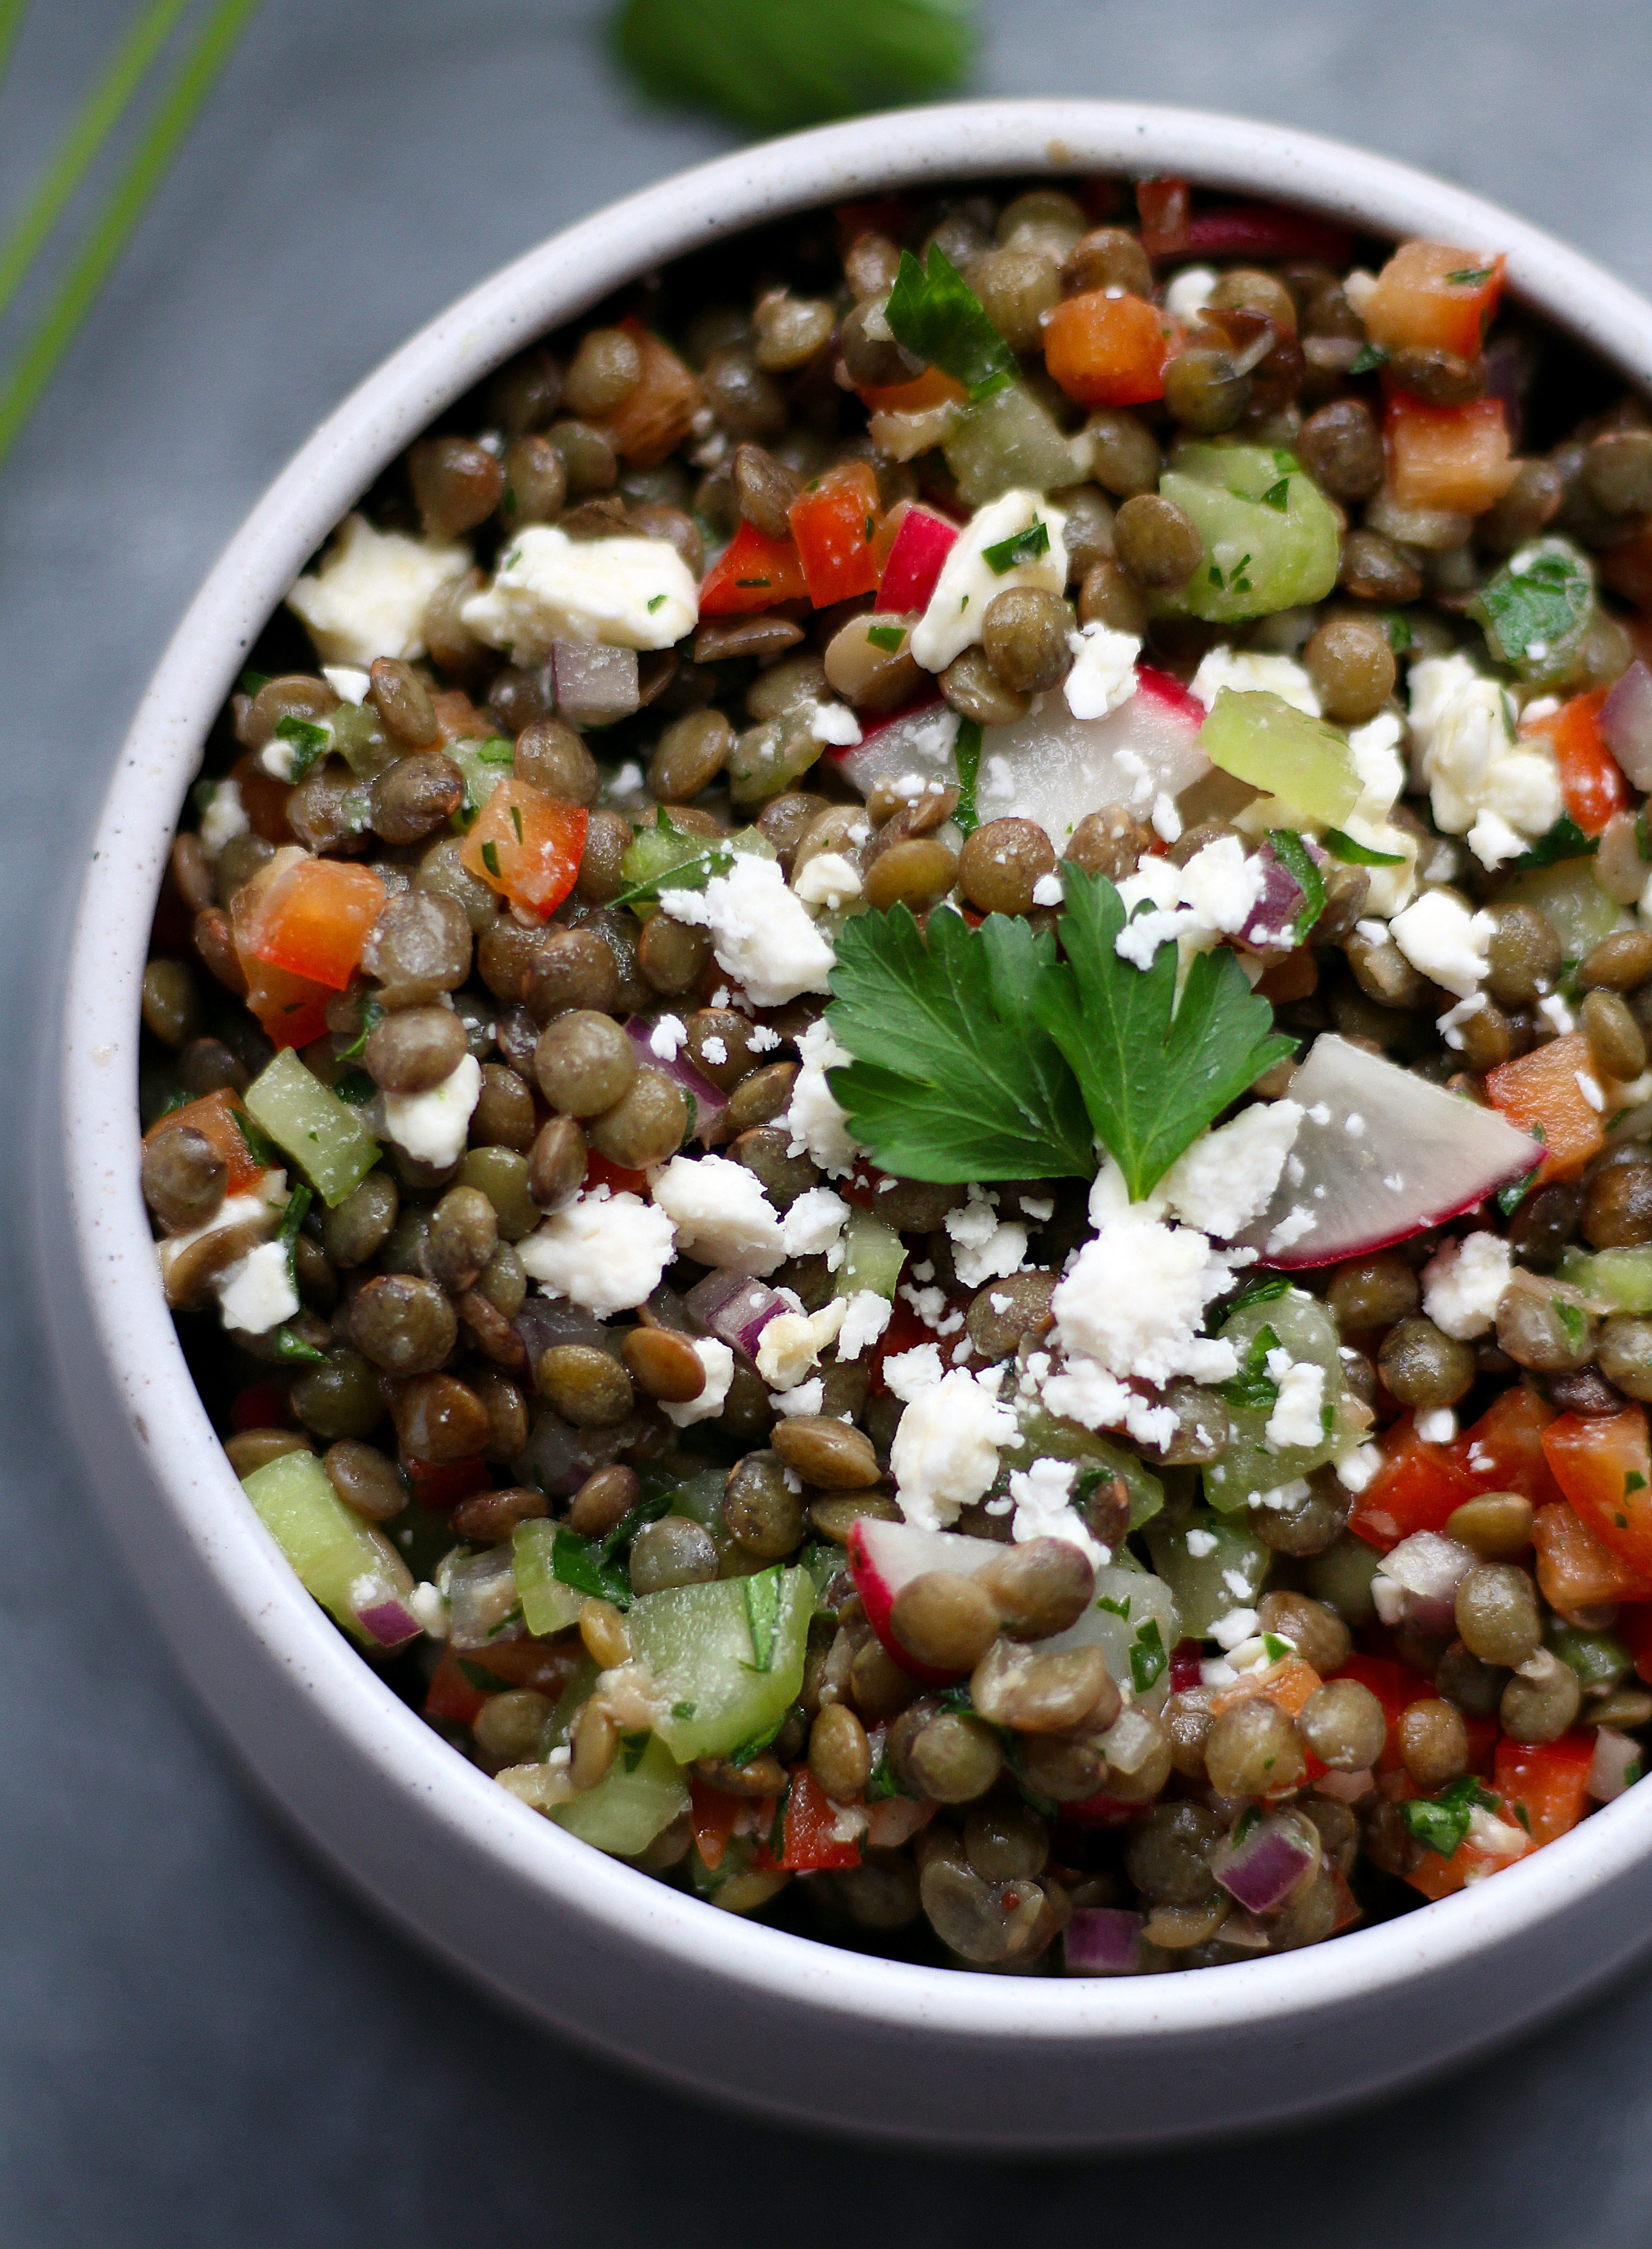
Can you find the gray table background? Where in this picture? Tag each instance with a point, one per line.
(201, 2039)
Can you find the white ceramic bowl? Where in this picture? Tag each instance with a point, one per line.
(648, 1976)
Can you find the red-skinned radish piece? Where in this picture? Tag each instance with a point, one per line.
(921, 546)
(1626, 724)
(1379, 1155)
(885, 1556)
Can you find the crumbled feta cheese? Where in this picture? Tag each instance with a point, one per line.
(813, 1223)
(829, 879)
(714, 1050)
(1444, 941)
(349, 683)
(621, 593)
(1239, 1624)
(1295, 1419)
(254, 1213)
(718, 1362)
(1190, 293)
(1213, 895)
(864, 1321)
(761, 931)
(1248, 672)
(1449, 1025)
(1554, 1010)
(984, 1246)
(257, 1294)
(807, 1400)
(945, 1453)
(721, 1215)
(666, 1036)
(1355, 1470)
(1167, 820)
(1463, 1284)
(1103, 674)
(1227, 1177)
(1043, 1497)
(1134, 1298)
(1473, 762)
(426, 1606)
(1437, 1425)
(1201, 1544)
(836, 724)
(906, 1372)
(1375, 748)
(1047, 891)
(792, 1342)
(814, 1119)
(225, 818)
(432, 1127)
(968, 582)
(1590, 1088)
(369, 597)
(604, 1252)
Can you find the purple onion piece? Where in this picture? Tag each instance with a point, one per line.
(1626, 724)
(1103, 1940)
(543, 1321)
(1263, 1870)
(388, 1623)
(594, 686)
(557, 1458)
(1272, 921)
(734, 1309)
(710, 1101)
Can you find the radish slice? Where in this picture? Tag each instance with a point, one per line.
(920, 548)
(884, 1557)
(1626, 724)
(1379, 1155)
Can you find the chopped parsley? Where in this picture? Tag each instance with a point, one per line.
(291, 1219)
(748, 1750)
(1353, 853)
(496, 751)
(1253, 1388)
(888, 637)
(684, 863)
(1398, 626)
(1469, 277)
(1276, 1649)
(1573, 1325)
(309, 743)
(1021, 546)
(1116, 1608)
(1294, 856)
(937, 316)
(1367, 359)
(288, 1349)
(966, 756)
(515, 819)
(1277, 495)
(592, 1567)
(1265, 1292)
(763, 1616)
(263, 1150)
(1148, 1657)
(490, 858)
(1536, 617)
(1565, 840)
(1442, 1821)
(655, 601)
(630, 1749)
(1510, 1198)
(1634, 1481)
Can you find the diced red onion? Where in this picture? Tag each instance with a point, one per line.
(482, 1593)
(1103, 1940)
(1626, 724)
(1263, 230)
(594, 686)
(557, 1458)
(1271, 921)
(543, 1321)
(1505, 379)
(1187, 1665)
(1262, 1871)
(1417, 1582)
(710, 1101)
(1615, 1765)
(734, 1309)
(388, 1622)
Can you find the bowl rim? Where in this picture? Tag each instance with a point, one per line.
(97, 1076)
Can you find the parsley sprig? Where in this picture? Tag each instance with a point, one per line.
(933, 311)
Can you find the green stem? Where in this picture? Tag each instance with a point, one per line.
(80, 146)
(11, 15)
(143, 174)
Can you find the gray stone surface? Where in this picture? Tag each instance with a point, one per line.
(201, 2040)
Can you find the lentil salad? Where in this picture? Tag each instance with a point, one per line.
(854, 1523)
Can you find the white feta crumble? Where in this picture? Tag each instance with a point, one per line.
(225, 818)
(1239, 1624)
(968, 582)
(1190, 293)
(761, 931)
(1213, 895)
(1463, 1284)
(1436, 1424)
(1449, 1025)
(1201, 1544)
(1473, 763)
(255, 1211)
(1103, 674)
(906, 1372)
(1554, 1010)
(865, 1318)
(432, 1127)
(792, 1342)
(1295, 1419)
(985, 1246)
(1375, 749)
(813, 1118)
(829, 879)
(814, 1223)
(1250, 672)
(1047, 891)
(1589, 1087)
(805, 1400)
(667, 1037)
(369, 597)
(1043, 1497)
(945, 1453)
(714, 1050)
(1355, 1470)
(718, 1362)
(428, 1610)
(836, 724)
(347, 682)
(1227, 1177)
(721, 1215)
(621, 593)
(1445, 941)
(257, 1294)
(1167, 820)
(604, 1252)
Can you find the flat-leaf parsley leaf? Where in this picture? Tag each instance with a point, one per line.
(937, 316)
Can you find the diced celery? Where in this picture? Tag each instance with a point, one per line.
(322, 1134)
(642, 1793)
(1010, 442)
(342, 1562)
(1302, 1326)
(1271, 540)
(485, 765)
(1126, 1602)
(1622, 1278)
(1598, 1658)
(361, 740)
(547, 1605)
(1045, 1436)
(1261, 738)
(726, 1658)
(1568, 894)
(873, 1256)
(1207, 1586)
(660, 851)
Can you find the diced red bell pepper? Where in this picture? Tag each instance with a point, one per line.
(713, 1813)
(1108, 351)
(834, 521)
(1265, 230)
(810, 1846)
(1456, 458)
(1416, 1488)
(442, 1484)
(600, 1172)
(1604, 1467)
(313, 921)
(753, 572)
(1502, 1451)
(1542, 1089)
(1396, 1686)
(921, 544)
(527, 845)
(1431, 294)
(1543, 1783)
(1099, 1811)
(1590, 775)
(653, 419)
(1287, 1683)
(452, 1695)
(292, 1010)
(1164, 205)
(215, 1117)
(1575, 1571)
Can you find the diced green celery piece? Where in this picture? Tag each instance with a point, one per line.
(361, 740)
(1249, 1464)
(322, 1134)
(1126, 1599)
(631, 1804)
(660, 851)
(1261, 738)
(726, 1658)
(1009, 443)
(1046, 1436)
(1271, 540)
(873, 1256)
(1598, 1658)
(1200, 1583)
(1573, 901)
(548, 1606)
(342, 1562)
(1621, 1277)
(485, 765)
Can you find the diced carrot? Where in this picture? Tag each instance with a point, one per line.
(1108, 351)
(600, 1172)
(1287, 1683)
(1415, 1488)
(1590, 775)
(753, 572)
(1449, 457)
(527, 845)
(1574, 1569)
(834, 521)
(292, 1010)
(1542, 1783)
(1428, 293)
(314, 920)
(216, 1117)
(1604, 1467)
(1502, 1451)
(921, 395)
(1542, 1089)
(1436, 1877)
(653, 420)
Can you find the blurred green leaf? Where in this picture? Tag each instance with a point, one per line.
(773, 65)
